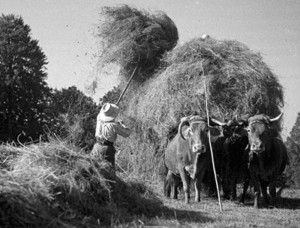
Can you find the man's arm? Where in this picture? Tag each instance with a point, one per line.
(122, 130)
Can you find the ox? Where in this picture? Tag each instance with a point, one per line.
(267, 156)
(188, 153)
(235, 159)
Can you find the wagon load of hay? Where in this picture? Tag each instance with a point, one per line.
(238, 83)
(134, 38)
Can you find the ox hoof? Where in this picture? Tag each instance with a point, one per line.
(197, 200)
(187, 201)
(241, 203)
(271, 207)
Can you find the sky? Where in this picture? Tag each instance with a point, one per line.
(66, 31)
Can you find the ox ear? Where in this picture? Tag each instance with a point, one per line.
(243, 123)
(276, 118)
(184, 121)
(213, 122)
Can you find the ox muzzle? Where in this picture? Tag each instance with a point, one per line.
(198, 148)
(257, 146)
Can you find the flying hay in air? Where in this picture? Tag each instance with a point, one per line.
(131, 37)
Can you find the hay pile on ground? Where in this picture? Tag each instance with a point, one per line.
(131, 37)
(238, 83)
(56, 185)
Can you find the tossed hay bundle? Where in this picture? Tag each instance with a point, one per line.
(131, 37)
(238, 83)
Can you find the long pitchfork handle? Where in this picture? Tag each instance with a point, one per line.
(133, 73)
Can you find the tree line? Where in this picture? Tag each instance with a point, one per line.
(30, 110)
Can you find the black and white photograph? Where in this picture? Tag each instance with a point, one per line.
(149, 113)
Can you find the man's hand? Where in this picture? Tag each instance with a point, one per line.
(120, 122)
(99, 139)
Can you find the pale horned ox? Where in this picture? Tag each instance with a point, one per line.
(188, 154)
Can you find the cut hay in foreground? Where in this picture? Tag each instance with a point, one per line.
(56, 185)
(238, 82)
(131, 37)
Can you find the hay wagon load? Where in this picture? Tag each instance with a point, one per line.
(238, 82)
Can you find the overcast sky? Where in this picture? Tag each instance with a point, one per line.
(65, 30)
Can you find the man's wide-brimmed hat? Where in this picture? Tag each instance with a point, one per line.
(108, 112)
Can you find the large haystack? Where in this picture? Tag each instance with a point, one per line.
(131, 37)
(238, 83)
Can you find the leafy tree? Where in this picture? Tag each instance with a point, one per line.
(293, 146)
(73, 116)
(23, 90)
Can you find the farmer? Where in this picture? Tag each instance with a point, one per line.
(107, 130)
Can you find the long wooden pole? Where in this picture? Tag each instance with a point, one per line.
(209, 140)
(131, 77)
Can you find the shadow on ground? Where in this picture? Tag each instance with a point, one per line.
(288, 203)
(135, 203)
(281, 203)
(183, 216)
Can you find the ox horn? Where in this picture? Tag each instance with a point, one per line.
(276, 118)
(183, 122)
(217, 122)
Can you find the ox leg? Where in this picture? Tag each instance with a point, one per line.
(186, 184)
(168, 184)
(226, 187)
(176, 186)
(232, 184)
(256, 188)
(226, 183)
(199, 179)
(264, 192)
(256, 197)
(245, 188)
(233, 191)
(197, 190)
(175, 192)
(272, 190)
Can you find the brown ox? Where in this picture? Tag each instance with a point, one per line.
(267, 156)
(188, 154)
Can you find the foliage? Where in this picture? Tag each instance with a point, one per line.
(132, 37)
(293, 147)
(72, 116)
(23, 90)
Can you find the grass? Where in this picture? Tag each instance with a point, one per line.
(207, 213)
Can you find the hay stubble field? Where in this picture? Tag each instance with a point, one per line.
(207, 213)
